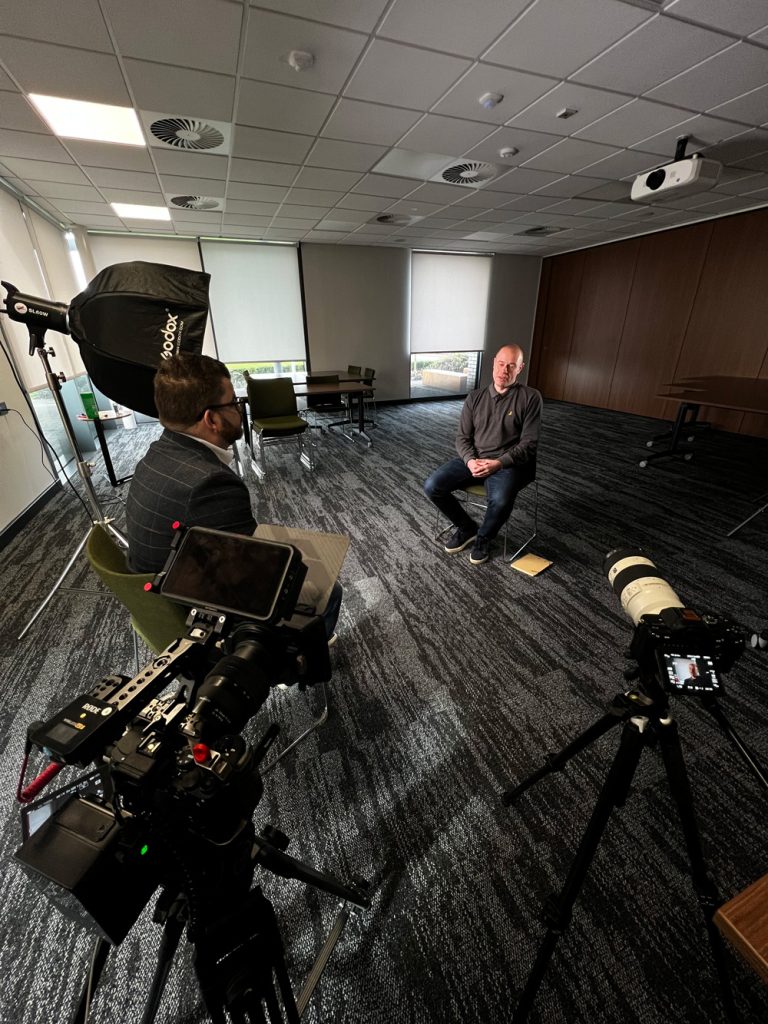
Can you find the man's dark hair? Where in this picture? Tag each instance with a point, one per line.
(185, 385)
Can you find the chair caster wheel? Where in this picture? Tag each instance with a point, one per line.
(643, 464)
(688, 457)
(649, 444)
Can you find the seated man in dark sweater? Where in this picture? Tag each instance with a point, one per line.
(496, 441)
(186, 474)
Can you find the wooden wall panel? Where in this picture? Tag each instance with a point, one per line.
(667, 273)
(605, 286)
(562, 303)
(696, 303)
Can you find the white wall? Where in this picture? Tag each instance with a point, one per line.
(357, 311)
(511, 308)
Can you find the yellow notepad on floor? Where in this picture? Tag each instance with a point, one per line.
(531, 565)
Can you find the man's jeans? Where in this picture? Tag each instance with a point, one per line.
(501, 488)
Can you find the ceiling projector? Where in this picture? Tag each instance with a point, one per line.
(677, 179)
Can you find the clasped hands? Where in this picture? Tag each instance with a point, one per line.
(483, 467)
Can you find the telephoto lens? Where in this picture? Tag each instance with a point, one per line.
(638, 584)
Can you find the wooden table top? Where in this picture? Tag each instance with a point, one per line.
(743, 920)
(745, 394)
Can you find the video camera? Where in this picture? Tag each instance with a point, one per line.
(676, 648)
(179, 783)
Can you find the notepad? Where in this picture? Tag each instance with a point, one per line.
(531, 565)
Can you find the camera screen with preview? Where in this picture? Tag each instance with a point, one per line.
(231, 573)
(691, 673)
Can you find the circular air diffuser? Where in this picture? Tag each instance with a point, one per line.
(195, 202)
(186, 133)
(469, 173)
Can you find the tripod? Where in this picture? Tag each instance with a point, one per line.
(646, 721)
(98, 518)
(239, 956)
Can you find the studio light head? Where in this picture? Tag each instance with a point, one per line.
(128, 319)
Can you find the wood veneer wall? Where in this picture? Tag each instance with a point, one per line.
(615, 323)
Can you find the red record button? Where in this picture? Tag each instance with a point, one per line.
(201, 753)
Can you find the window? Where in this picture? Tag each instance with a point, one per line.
(296, 368)
(449, 304)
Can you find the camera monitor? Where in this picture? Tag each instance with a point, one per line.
(691, 673)
(227, 572)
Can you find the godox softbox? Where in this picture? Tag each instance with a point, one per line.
(129, 318)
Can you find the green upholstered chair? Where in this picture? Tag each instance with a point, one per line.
(154, 618)
(474, 497)
(353, 371)
(275, 417)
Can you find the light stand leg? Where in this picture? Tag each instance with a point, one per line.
(84, 470)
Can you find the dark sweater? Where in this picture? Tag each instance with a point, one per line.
(504, 427)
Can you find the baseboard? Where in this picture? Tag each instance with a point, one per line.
(21, 520)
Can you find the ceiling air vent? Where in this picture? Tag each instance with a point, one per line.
(470, 173)
(189, 133)
(196, 202)
(539, 232)
(399, 220)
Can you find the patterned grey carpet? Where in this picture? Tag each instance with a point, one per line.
(450, 682)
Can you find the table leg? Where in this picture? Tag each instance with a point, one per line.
(681, 424)
(105, 452)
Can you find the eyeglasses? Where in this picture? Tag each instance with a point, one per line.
(235, 403)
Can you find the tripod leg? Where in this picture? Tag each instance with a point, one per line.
(98, 959)
(168, 945)
(751, 760)
(558, 909)
(623, 705)
(55, 587)
(672, 754)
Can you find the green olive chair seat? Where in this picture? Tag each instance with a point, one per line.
(274, 414)
(157, 620)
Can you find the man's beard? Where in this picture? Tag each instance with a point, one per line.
(233, 433)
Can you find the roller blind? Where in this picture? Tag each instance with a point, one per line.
(449, 302)
(255, 301)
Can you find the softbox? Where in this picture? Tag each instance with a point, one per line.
(130, 317)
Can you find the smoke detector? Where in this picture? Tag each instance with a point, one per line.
(469, 173)
(489, 100)
(206, 203)
(193, 134)
(299, 60)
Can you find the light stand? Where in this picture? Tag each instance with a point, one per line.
(98, 518)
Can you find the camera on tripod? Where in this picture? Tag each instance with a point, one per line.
(176, 764)
(675, 647)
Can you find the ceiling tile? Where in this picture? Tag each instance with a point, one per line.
(451, 25)
(253, 191)
(103, 154)
(193, 165)
(313, 196)
(524, 204)
(435, 192)
(32, 146)
(351, 156)
(751, 107)
(404, 76)
(272, 36)
(588, 103)
(136, 180)
(631, 124)
(355, 121)
(261, 144)
(80, 24)
(260, 209)
(760, 37)
(748, 150)
(42, 170)
(573, 207)
(247, 219)
(517, 87)
(527, 143)
(94, 221)
(302, 212)
(622, 164)
(291, 222)
(555, 37)
(522, 180)
(183, 92)
(61, 71)
(371, 204)
(740, 183)
(568, 187)
(434, 133)
(193, 186)
(738, 16)
(357, 14)
(63, 190)
(731, 73)
(322, 177)
(570, 155)
(17, 114)
(654, 52)
(143, 28)
(705, 131)
(80, 206)
(260, 171)
(385, 185)
(121, 195)
(266, 105)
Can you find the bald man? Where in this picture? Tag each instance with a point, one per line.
(496, 441)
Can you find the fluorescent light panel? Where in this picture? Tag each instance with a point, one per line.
(98, 122)
(134, 211)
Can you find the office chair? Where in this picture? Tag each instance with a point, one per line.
(154, 618)
(474, 496)
(353, 371)
(275, 418)
(369, 376)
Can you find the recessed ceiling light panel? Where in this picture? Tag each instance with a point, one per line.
(96, 122)
(134, 211)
